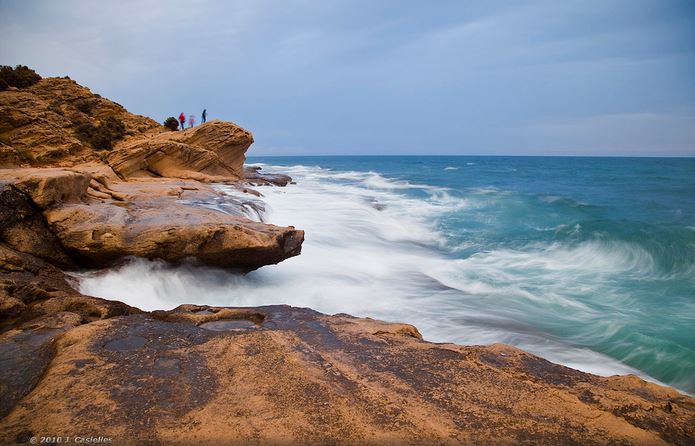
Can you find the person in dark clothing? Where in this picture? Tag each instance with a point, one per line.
(205, 115)
(182, 120)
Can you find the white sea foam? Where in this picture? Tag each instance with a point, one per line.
(371, 250)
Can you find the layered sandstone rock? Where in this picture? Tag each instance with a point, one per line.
(31, 287)
(38, 124)
(72, 217)
(48, 187)
(165, 229)
(212, 151)
(83, 213)
(283, 375)
(23, 227)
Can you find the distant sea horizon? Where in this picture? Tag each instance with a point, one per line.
(479, 155)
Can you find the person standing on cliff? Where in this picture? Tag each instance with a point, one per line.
(191, 121)
(205, 116)
(182, 120)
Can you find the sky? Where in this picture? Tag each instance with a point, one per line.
(354, 77)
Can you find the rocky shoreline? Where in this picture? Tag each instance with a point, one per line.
(79, 365)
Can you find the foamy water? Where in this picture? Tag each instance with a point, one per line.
(382, 248)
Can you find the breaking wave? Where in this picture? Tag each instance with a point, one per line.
(441, 259)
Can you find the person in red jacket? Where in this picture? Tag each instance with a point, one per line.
(182, 120)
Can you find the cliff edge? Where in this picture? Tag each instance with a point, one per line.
(57, 122)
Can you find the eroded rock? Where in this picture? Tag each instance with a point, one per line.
(48, 187)
(37, 305)
(67, 216)
(38, 124)
(23, 227)
(31, 287)
(213, 151)
(285, 375)
(99, 236)
(254, 176)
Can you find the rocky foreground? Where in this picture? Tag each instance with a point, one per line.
(75, 365)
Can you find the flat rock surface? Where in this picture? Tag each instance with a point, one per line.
(284, 375)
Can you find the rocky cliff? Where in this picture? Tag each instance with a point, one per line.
(57, 122)
(211, 151)
(40, 125)
(68, 200)
(87, 184)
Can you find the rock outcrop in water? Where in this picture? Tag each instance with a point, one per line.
(72, 364)
(76, 219)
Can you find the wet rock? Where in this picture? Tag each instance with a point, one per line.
(163, 228)
(25, 352)
(23, 227)
(229, 325)
(62, 219)
(254, 176)
(301, 377)
(31, 287)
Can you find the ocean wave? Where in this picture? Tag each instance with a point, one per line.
(486, 191)
(548, 278)
(379, 247)
(560, 200)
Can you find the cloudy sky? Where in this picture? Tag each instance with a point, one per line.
(567, 77)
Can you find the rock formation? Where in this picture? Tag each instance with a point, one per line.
(253, 176)
(283, 375)
(83, 213)
(207, 152)
(70, 218)
(43, 125)
(39, 124)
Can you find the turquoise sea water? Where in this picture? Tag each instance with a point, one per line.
(589, 262)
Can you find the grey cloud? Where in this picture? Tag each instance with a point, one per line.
(344, 77)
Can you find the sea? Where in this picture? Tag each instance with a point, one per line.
(587, 262)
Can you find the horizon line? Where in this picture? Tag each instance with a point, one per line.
(476, 155)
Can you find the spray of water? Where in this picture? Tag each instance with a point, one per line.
(374, 247)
